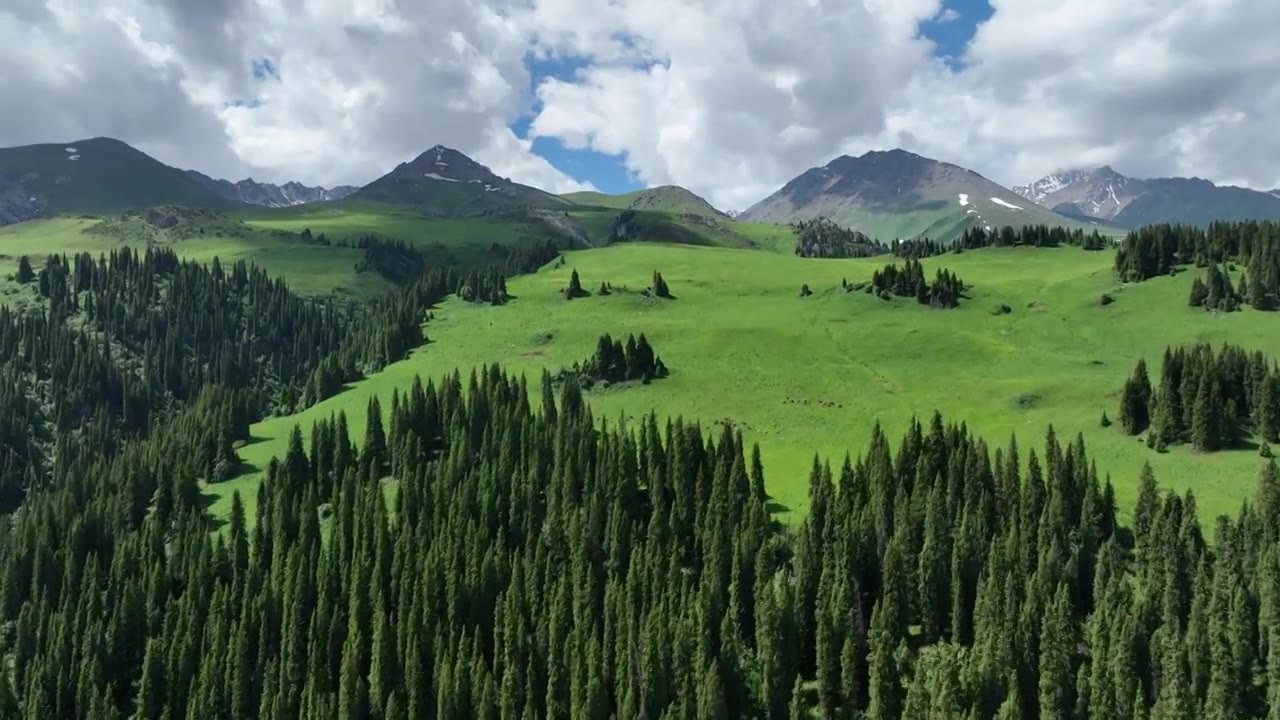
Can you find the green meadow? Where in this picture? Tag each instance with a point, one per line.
(813, 375)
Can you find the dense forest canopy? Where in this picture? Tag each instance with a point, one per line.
(1254, 246)
(534, 565)
(480, 553)
(122, 341)
(1211, 399)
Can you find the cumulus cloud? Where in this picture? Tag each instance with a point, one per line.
(353, 88)
(728, 97)
(748, 94)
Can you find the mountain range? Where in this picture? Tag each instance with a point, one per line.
(885, 194)
(1104, 194)
(898, 194)
(251, 192)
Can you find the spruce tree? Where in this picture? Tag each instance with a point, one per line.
(1136, 400)
(25, 273)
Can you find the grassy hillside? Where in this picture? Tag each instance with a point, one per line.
(310, 269)
(815, 374)
(667, 198)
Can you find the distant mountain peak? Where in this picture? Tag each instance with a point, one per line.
(448, 182)
(897, 194)
(446, 164)
(1104, 194)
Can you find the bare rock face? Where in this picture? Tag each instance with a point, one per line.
(18, 203)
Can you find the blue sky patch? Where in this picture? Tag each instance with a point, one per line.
(606, 172)
(264, 69)
(951, 31)
(953, 27)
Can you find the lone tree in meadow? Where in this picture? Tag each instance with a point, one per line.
(660, 286)
(25, 273)
(575, 287)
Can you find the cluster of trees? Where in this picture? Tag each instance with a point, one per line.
(395, 260)
(1215, 292)
(616, 362)
(1209, 399)
(1008, 236)
(535, 565)
(944, 292)
(822, 238)
(1160, 249)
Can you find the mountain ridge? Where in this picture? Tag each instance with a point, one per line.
(1107, 195)
(252, 192)
(92, 176)
(898, 194)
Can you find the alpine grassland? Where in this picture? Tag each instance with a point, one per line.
(1031, 345)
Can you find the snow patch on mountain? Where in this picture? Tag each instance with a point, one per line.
(1046, 186)
(438, 176)
(964, 199)
(1005, 203)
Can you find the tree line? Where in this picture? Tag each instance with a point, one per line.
(822, 238)
(975, 237)
(1210, 399)
(1254, 245)
(534, 564)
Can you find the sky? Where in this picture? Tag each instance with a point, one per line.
(730, 98)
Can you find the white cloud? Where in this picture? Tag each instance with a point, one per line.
(947, 15)
(729, 97)
(362, 85)
(768, 89)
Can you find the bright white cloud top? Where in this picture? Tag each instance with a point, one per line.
(729, 98)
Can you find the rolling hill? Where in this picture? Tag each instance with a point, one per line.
(666, 198)
(94, 176)
(445, 182)
(1104, 194)
(897, 194)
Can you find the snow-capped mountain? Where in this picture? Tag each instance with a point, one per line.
(1101, 194)
(1050, 184)
(1104, 194)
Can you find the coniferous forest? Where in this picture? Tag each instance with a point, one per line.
(1212, 400)
(1254, 246)
(532, 565)
(478, 552)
